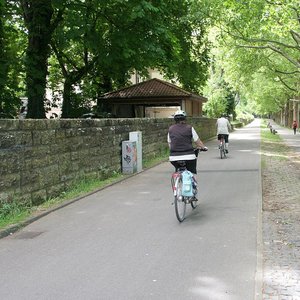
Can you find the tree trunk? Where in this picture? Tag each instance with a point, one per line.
(105, 87)
(37, 16)
(67, 105)
(71, 79)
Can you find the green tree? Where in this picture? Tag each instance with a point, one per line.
(222, 97)
(271, 28)
(256, 43)
(40, 19)
(10, 67)
(98, 47)
(187, 61)
(3, 59)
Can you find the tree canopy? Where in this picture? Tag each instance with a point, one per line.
(257, 47)
(238, 53)
(82, 48)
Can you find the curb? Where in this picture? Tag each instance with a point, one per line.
(259, 242)
(16, 227)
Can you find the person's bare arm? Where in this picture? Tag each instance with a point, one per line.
(169, 141)
(229, 126)
(199, 144)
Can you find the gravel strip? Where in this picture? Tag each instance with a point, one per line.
(281, 226)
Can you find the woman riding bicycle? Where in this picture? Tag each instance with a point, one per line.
(223, 128)
(180, 139)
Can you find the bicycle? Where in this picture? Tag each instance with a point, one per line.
(222, 147)
(183, 196)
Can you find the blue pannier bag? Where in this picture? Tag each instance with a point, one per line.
(187, 186)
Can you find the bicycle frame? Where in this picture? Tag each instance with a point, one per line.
(181, 201)
(174, 182)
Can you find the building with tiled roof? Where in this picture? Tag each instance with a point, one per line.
(153, 98)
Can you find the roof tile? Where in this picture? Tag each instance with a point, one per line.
(150, 88)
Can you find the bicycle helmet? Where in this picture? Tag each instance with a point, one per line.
(180, 115)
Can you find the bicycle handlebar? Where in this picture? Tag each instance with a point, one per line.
(197, 150)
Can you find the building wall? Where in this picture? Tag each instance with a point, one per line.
(40, 158)
(160, 111)
(152, 73)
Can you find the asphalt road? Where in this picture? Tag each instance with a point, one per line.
(125, 242)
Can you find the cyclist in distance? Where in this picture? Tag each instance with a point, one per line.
(223, 128)
(180, 139)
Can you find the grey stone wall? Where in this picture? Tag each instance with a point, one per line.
(40, 158)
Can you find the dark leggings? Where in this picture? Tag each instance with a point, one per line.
(191, 165)
(226, 136)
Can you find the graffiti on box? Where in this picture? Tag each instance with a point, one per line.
(130, 155)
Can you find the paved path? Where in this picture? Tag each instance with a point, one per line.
(124, 242)
(287, 134)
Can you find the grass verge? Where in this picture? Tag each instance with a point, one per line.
(272, 145)
(14, 213)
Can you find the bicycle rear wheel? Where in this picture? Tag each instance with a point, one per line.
(180, 205)
(222, 151)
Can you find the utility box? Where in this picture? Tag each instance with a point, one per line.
(129, 157)
(136, 136)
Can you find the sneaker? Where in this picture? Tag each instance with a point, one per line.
(226, 150)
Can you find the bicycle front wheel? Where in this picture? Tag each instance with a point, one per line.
(194, 204)
(180, 205)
